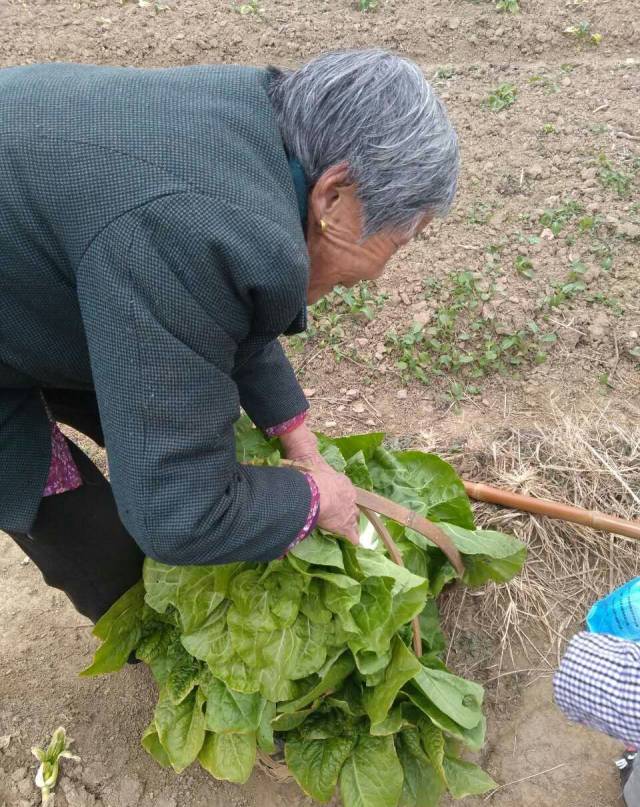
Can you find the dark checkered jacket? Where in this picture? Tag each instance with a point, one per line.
(151, 249)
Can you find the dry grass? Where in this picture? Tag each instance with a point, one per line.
(587, 461)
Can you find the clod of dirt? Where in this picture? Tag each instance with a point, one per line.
(77, 795)
(129, 792)
(535, 171)
(629, 230)
(599, 327)
(25, 787)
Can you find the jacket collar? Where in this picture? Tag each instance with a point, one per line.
(302, 189)
(301, 186)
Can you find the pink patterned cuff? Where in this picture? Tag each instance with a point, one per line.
(312, 517)
(287, 426)
(63, 472)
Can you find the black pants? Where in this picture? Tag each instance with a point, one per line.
(78, 541)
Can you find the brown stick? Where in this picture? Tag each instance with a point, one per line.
(401, 514)
(557, 510)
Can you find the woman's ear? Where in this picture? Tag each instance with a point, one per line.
(325, 194)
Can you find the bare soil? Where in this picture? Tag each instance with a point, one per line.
(575, 102)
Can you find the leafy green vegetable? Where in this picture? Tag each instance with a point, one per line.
(357, 443)
(195, 591)
(180, 728)
(433, 744)
(459, 699)
(424, 483)
(421, 787)
(466, 779)
(316, 764)
(232, 712)
(152, 745)
(313, 650)
(402, 668)
(489, 555)
(265, 734)
(49, 758)
(372, 775)
(120, 630)
(229, 756)
(319, 549)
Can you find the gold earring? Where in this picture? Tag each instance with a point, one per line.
(323, 226)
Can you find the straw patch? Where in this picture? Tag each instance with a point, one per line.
(587, 461)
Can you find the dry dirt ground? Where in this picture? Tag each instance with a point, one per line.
(532, 280)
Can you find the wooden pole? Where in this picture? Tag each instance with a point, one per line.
(557, 510)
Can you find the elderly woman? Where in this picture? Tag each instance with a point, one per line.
(159, 230)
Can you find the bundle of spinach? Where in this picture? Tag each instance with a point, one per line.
(313, 652)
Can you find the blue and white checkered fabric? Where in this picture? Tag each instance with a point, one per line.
(598, 685)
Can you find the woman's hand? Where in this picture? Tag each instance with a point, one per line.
(338, 510)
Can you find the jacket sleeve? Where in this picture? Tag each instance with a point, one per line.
(164, 313)
(269, 390)
(25, 454)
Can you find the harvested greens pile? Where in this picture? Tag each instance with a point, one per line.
(313, 652)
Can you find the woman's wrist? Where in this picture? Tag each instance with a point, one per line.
(300, 443)
(312, 516)
(287, 426)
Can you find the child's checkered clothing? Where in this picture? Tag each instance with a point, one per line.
(598, 685)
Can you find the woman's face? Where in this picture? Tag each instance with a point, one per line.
(338, 256)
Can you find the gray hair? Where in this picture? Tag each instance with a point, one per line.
(376, 112)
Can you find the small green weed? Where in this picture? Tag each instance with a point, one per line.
(367, 5)
(445, 73)
(327, 318)
(511, 6)
(49, 759)
(458, 391)
(588, 224)
(502, 97)
(359, 300)
(250, 7)
(555, 219)
(479, 213)
(548, 84)
(601, 298)
(156, 6)
(605, 382)
(582, 32)
(462, 342)
(524, 266)
(610, 177)
(569, 288)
